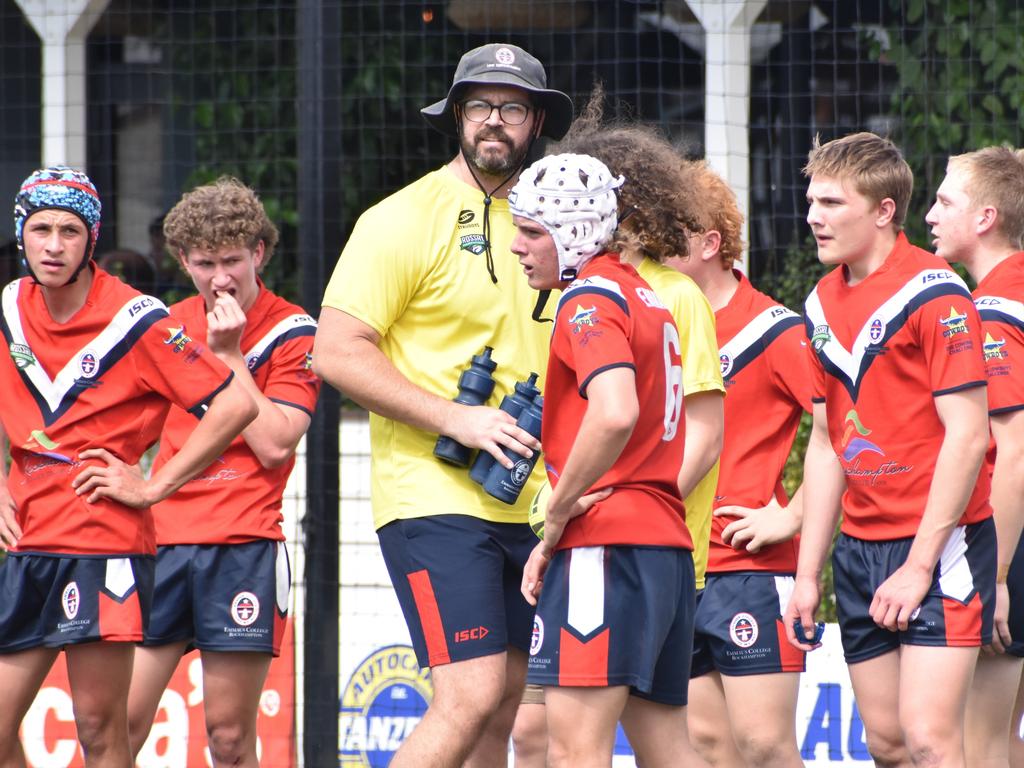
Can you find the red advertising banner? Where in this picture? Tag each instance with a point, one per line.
(178, 738)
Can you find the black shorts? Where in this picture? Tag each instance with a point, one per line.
(611, 616)
(956, 611)
(458, 581)
(53, 601)
(739, 629)
(221, 597)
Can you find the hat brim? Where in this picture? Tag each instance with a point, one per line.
(557, 106)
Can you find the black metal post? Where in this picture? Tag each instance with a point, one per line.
(319, 199)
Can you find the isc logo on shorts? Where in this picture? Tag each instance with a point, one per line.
(743, 630)
(245, 609)
(70, 600)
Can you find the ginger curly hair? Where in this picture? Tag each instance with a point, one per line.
(658, 204)
(222, 213)
(720, 212)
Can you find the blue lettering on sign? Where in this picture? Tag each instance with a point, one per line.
(826, 727)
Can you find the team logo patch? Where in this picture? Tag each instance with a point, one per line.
(994, 348)
(466, 216)
(21, 355)
(583, 318)
(726, 363)
(505, 56)
(876, 329)
(245, 609)
(385, 698)
(475, 244)
(743, 630)
(177, 339)
(955, 324)
(251, 360)
(88, 364)
(537, 637)
(70, 600)
(820, 337)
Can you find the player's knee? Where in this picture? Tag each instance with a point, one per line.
(98, 731)
(707, 740)
(887, 752)
(764, 749)
(230, 743)
(930, 745)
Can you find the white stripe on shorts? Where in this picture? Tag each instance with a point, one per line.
(586, 589)
(955, 577)
(784, 589)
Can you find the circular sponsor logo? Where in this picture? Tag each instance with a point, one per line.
(71, 599)
(270, 702)
(743, 630)
(385, 699)
(250, 361)
(504, 56)
(88, 364)
(876, 329)
(537, 638)
(520, 472)
(245, 609)
(726, 362)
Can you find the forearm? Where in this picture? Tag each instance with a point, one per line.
(821, 498)
(228, 414)
(365, 374)
(704, 428)
(954, 479)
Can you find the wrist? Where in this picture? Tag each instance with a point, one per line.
(1002, 572)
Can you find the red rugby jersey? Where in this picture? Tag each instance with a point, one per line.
(883, 350)
(999, 298)
(104, 379)
(236, 499)
(762, 347)
(608, 318)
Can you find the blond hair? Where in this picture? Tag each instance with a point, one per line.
(995, 176)
(874, 165)
(224, 213)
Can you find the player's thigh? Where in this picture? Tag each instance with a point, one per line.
(21, 675)
(708, 716)
(658, 733)
(476, 684)
(878, 701)
(151, 672)
(987, 719)
(99, 675)
(232, 683)
(774, 717)
(928, 710)
(583, 720)
(1017, 729)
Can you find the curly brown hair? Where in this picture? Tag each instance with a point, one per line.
(720, 212)
(658, 208)
(223, 213)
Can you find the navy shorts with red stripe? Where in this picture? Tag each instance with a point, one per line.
(618, 615)
(739, 629)
(1015, 583)
(458, 581)
(956, 612)
(221, 597)
(53, 601)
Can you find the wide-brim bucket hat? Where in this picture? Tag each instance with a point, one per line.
(502, 64)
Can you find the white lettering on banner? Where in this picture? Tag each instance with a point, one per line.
(375, 734)
(167, 745)
(34, 730)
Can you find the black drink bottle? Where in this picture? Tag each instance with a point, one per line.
(506, 484)
(475, 385)
(525, 392)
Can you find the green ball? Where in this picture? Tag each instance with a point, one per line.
(539, 507)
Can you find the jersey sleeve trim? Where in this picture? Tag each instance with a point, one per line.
(595, 286)
(959, 388)
(1006, 409)
(302, 408)
(602, 369)
(292, 327)
(199, 409)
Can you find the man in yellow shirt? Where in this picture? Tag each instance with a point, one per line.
(426, 282)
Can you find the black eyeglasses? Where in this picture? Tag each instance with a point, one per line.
(511, 112)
